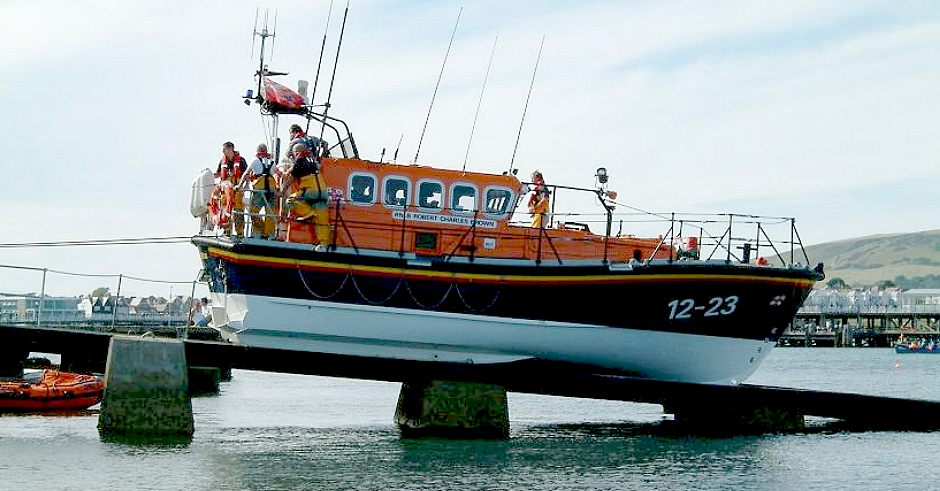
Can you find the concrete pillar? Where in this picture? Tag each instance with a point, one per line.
(735, 418)
(452, 410)
(146, 389)
(225, 373)
(204, 381)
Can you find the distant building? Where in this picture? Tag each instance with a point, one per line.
(871, 301)
(922, 296)
(26, 308)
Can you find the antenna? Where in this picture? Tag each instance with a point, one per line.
(254, 30)
(526, 107)
(395, 156)
(322, 48)
(329, 95)
(479, 103)
(264, 35)
(431, 106)
(273, 34)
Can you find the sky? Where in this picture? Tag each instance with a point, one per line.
(826, 111)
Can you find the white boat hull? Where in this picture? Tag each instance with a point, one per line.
(396, 333)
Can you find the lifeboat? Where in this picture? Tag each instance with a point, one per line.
(50, 390)
(434, 264)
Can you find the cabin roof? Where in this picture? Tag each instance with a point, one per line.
(427, 172)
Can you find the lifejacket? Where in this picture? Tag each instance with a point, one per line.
(538, 201)
(266, 174)
(231, 171)
(309, 142)
(304, 166)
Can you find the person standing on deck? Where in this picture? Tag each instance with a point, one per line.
(538, 200)
(230, 169)
(309, 199)
(261, 181)
(317, 147)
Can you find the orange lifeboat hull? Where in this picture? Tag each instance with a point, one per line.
(52, 391)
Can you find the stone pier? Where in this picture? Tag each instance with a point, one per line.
(452, 410)
(146, 389)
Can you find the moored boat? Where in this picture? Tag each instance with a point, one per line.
(931, 348)
(50, 390)
(428, 263)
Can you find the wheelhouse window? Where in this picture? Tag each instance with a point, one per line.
(463, 198)
(362, 189)
(397, 190)
(497, 201)
(430, 195)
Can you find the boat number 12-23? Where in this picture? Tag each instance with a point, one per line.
(683, 309)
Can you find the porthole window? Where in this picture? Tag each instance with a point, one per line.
(463, 198)
(362, 189)
(396, 191)
(498, 201)
(430, 195)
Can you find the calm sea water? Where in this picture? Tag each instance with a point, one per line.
(273, 431)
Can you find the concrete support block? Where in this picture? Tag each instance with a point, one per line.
(204, 381)
(736, 419)
(452, 410)
(225, 373)
(146, 389)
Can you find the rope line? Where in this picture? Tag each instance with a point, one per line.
(95, 242)
(91, 275)
(477, 311)
(381, 302)
(414, 298)
(323, 297)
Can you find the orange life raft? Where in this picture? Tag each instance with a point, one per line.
(51, 390)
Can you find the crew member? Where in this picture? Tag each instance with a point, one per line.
(230, 169)
(261, 180)
(317, 147)
(538, 200)
(309, 199)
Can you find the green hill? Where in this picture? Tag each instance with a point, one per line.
(909, 260)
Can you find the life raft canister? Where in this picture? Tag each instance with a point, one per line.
(201, 193)
(222, 204)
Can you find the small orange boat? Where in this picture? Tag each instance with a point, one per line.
(50, 390)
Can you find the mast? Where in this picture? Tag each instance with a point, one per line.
(526, 107)
(436, 86)
(329, 95)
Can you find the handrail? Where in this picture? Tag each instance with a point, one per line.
(752, 233)
(42, 314)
